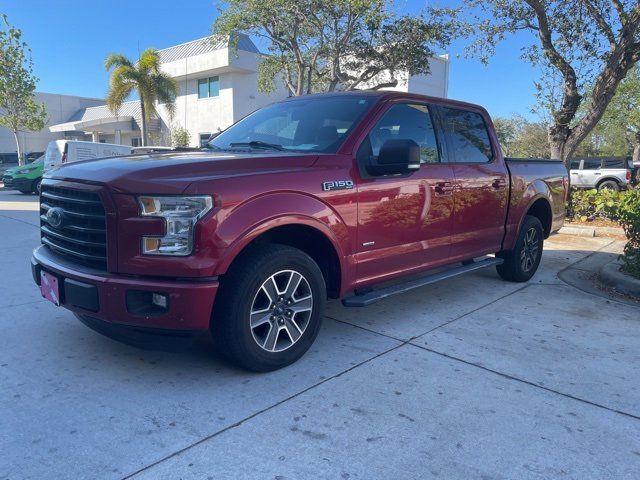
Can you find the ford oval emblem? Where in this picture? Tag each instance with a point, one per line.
(55, 217)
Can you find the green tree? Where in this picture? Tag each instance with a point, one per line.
(507, 131)
(143, 77)
(520, 137)
(339, 45)
(620, 124)
(18, 109)
(579, 44)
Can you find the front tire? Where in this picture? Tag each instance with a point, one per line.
(521, 263)
(269, 308)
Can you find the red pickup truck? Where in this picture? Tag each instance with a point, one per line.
(356, 196)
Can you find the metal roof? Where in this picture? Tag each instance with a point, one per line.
(128, 109)
(204, 45)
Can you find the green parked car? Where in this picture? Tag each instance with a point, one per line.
(26, 178)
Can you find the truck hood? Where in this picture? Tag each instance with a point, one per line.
(172, 173)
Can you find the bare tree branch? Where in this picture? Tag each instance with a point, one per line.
(572, 96)
(604, 27)
(622, 15)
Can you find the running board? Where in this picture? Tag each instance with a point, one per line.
(373, 296)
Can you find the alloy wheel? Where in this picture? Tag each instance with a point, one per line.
(530, 250)
(281, 311)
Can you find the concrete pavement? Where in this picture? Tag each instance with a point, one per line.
(470, 378)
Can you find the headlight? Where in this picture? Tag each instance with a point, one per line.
(181, 215)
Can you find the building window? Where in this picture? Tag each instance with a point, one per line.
(204, 138)
(208, 87)
(135, 142)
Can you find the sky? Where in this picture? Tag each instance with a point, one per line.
(70, 39)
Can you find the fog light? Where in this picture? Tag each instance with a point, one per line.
(160, 300)
(149, 304)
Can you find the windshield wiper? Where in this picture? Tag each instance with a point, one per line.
(257, 144)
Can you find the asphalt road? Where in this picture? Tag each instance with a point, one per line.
(470, 378)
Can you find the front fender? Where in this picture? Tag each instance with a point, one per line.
(246, 222)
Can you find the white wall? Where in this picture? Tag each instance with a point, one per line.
(59, 109)
(201, 115)
(238, 96)
(435, 84)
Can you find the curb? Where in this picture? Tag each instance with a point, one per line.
(579, 231)
(612, 276)
(583, 231)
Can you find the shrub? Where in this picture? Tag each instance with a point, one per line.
(180, 137)
(629, 213)
(587, 205)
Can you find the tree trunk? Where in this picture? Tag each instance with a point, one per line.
(636, 148)
(18, 149)
(143, 124)
(558, 137)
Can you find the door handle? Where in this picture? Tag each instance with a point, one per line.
(499, 183)
(443, 188)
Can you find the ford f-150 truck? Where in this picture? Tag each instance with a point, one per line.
(356, 196)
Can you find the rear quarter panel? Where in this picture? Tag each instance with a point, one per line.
(532, 180)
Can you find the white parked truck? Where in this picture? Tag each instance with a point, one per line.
(612, 173)
(70, 151)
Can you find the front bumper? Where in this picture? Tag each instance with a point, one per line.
(17, 183)
(104, 296)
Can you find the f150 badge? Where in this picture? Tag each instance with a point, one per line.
(337, 185)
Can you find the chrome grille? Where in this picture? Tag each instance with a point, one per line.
(81, 234)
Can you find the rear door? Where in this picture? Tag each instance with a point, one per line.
(53, 154)
(404, 221)
(590, 173)
(481, 192)
(576, 166)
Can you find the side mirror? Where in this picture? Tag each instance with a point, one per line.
(396, 157)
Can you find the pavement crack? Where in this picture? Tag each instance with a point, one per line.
(22, 304)
(264, 410)
(476, 309)
(370, 330)
(436, 327)
(21, 221)
(527, 382)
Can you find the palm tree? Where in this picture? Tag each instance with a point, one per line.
(145, 77)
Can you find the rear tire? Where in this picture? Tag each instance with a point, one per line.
(609, 185)
(36, 186)
(521, 263)
(269, 307)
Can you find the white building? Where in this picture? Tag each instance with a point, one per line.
(217, 86)
(59, 108)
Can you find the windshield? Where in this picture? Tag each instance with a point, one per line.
(38, 161)
(307, 124)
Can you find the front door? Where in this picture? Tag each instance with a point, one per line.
(404, 222)
(481, 192)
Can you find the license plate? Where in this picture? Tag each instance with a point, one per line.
(49, 287)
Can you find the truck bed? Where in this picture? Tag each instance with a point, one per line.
(530, 177)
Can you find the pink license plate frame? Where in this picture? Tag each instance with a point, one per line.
(49, 287)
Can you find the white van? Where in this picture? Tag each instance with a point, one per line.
(69, 151)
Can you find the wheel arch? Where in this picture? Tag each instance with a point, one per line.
(607, 179)
(541, 209)
(311, 240)
(313, 227)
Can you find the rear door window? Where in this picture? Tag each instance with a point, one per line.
(468, 136)
(592, 164)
